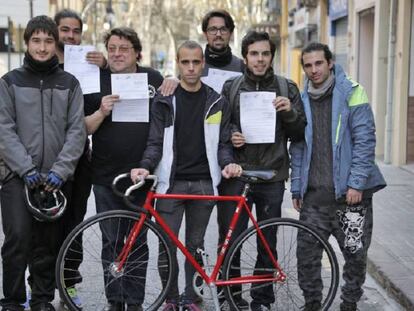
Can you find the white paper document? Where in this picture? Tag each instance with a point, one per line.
(130, 85)
(216, 78)
(131, 110)
(133, 105)
(76, 64)
(258, 117)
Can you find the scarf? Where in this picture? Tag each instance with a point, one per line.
(40, 67)
(324, 89)
(218, 58)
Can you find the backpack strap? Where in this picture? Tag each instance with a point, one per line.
(234, 87)
(283, 85)
(237, 81)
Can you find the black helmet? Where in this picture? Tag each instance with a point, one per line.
(45, 205)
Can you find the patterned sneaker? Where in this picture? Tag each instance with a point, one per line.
(171, 305)
(259, 307)
(73, 294)
(190, 306)
(348, 306)
(312, 306)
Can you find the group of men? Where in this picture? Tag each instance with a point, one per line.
(44, 121)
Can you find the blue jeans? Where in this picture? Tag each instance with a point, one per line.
(197, 216)
(267, 198)
(125, 289)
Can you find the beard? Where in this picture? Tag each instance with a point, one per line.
(219, 51)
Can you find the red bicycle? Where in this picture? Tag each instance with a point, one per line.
(121, 252)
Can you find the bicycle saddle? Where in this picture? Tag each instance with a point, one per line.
(258, 175)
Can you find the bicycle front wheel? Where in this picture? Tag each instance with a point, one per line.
(307, 260)
(88, 259)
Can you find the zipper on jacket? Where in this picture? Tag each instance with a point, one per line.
(43, 125)
(257, 86)
(211, 106)
(51, 102)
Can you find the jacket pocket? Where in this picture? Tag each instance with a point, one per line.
(5, 173)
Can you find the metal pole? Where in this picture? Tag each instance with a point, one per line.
(20, 44)
(31, 8)
(9, 43)
(390, 82)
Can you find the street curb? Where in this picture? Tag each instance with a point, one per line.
(391, 289)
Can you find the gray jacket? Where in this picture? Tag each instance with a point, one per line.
(41, 121)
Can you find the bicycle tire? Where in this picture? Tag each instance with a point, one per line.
(288, 295)
(142, 267)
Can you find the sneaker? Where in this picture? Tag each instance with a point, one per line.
(171, 305)
(12, 308)
(312, 306)
(43, 306)
(242, 304)
(134, 308)
(114, 306)
(190, 306)
(198, 299)
(348, 306)
(73, 294)
(259, 307)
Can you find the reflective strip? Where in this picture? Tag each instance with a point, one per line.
(359, 97)
(338, 127)
(214, 118)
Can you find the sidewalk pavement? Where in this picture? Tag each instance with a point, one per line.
(391, 255)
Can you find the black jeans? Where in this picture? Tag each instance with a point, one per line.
(125, 289)
(267, 198)
(27, 243)
(81, 189)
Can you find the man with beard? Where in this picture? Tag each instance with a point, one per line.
(70, 32)
(218, 27)
(258, 52)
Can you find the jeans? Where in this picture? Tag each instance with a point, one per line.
(267, 198)
(125, 289)
(197, 216)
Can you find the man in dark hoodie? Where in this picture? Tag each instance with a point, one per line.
(42, 135)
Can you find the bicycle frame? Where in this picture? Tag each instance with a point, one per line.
(280, 276)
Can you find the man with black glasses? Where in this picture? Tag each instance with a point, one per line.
(218, 27)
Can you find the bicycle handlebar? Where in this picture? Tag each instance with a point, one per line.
(127, 194)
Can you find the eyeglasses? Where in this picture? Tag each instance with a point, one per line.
(121, 49)
(214, 30)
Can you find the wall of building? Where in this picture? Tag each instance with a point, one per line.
(362, 49)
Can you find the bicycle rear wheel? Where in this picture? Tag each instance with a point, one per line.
(307, 259)
(143, 280)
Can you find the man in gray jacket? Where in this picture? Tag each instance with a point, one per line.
(42, 135)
